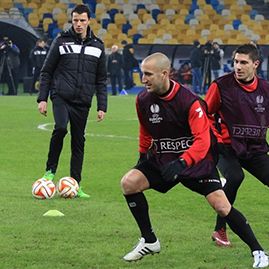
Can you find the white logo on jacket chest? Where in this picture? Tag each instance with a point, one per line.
(260, 107)
(155, 109)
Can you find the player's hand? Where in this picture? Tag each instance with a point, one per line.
(100, 115)
(42, 107)
(171, 171)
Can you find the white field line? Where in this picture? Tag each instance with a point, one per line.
(44, 127)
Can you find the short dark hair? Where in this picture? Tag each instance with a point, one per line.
(196, 43)
(250, 50)
(81, 9)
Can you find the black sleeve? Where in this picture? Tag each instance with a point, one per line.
(47, 71)
(101, 80)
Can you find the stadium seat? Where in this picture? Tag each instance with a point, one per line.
(155, 13)
(6, 4)
(33, 19)
(105, 22)
(112, 12)
(46, 22)
(136, 37)
(120, 19)
(126, 27)
(259, 17)
(55, 32)
(236, 24)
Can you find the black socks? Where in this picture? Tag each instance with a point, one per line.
(240, 226)
(139, 207)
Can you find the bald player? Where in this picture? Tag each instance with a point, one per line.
(176, 145)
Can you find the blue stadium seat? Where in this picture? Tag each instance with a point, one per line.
(91, 4)
(51, 27)
(112, 13)
(27, 11)
(136, 37)
(155, 13)
(126, 27)
(219, 8)
(236, 23)
(253, 13)
(47, 15)
(188, 18)
(140, 6)
(55, 32)
(214, 3)
(193, 6)
(105, 22)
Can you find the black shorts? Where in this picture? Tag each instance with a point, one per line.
(156, 181)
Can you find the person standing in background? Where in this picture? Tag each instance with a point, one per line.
(196, 59)
(37, 57)
(129, 63)
(216, 60)
(114, 67)
(73, 72)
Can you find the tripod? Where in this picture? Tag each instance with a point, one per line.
(206, 73)
(4, 62)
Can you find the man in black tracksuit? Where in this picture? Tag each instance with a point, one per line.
(37, 57)
(74, 70)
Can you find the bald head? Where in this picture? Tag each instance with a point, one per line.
(159, 60)
(155, 69)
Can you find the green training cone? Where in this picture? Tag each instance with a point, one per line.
(53, 213)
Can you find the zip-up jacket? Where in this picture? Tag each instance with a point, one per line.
(75, 70)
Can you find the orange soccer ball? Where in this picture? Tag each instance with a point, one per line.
(43, 189)
(67, 187)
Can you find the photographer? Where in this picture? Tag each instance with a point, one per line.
(9, 64)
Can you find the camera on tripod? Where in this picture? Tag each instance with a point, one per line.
(5, 43)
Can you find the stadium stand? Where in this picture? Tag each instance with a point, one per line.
(225, 20)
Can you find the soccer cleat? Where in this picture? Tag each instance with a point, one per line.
(220, 238)
(142, 249)
(48, 175)
(260, 259)
(82, 194)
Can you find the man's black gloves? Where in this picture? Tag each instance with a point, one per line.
(171, 171)
(222, 149)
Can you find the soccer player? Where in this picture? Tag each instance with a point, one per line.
(176, 145)
(239, 102)
(74, 70)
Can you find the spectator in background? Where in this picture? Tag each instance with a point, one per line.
(37, 57)
(114, 67)
(184, 74)
(216, 60)
(196, 59)
(9, 64)
(129, 63)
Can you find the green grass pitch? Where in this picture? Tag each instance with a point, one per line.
(96, 233)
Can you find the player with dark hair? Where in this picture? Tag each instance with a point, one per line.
(176, 145)
(239, 102)
(74, 70)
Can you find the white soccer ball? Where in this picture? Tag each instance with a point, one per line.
(67, 187)
(43, 189)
